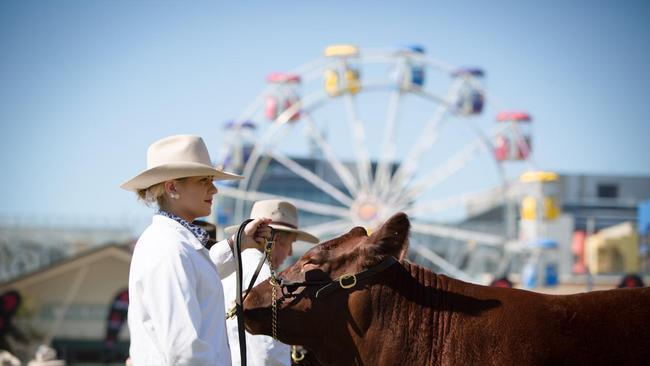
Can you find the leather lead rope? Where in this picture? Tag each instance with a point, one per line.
(239, 304)
(238, 310)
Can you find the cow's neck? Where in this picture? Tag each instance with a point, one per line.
(411, 308)
(404, 308)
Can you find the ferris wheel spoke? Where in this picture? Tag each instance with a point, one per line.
(426, 139)
(382, 174)
(341, 170)
(251, 164)
(252, 108)
(439, 261)
(382, 56)
(336, 226)
(311, 177)
(258, 174)
(272, 136)
(316, 72)
(309, 102)
(489, 197)
(431, 97)
(446, 170)
(313, 207)
(455, 233)
(312, 67)
(358, 133)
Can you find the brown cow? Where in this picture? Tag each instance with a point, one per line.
(404, 314)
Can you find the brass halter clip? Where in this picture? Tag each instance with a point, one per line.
(296, 354)
(345, 277)
(231, 312)
(269, 246)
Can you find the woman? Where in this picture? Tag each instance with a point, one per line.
(176, 310)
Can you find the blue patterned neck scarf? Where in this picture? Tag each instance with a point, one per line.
(199, 232)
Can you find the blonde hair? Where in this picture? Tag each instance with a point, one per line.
(154, 194)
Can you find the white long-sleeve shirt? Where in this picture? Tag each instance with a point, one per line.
(261, 350)
(176, 306)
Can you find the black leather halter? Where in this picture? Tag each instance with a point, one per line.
(345, 281)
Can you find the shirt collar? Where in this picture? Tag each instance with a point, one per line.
(200, 234)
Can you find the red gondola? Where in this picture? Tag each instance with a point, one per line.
(514, 144)
(283, 96)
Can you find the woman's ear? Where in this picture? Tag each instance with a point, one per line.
(170, 186)
(170, 189)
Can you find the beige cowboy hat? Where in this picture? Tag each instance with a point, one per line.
(176, 157)
(283, 215)
(45, 356)
(7, 359)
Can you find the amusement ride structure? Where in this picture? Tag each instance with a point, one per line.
(392, 130)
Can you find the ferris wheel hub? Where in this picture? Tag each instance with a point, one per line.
(368, 211)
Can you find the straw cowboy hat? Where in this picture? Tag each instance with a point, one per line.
(7, 359)
(283, 215)
(45, 356)
(176, 157)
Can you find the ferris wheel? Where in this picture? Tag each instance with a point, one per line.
(372, 132)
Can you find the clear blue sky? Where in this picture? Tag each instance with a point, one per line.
(85, 86)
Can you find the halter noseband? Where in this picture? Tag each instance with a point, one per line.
(345, 281)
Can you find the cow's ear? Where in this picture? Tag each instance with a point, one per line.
(392, 237)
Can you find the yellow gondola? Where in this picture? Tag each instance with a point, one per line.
(350, 82)
(332, 83)
(542, 201)
(343, 50)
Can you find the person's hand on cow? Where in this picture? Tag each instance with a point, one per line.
(256, 233)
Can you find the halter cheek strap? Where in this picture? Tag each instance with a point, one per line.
(348, 281)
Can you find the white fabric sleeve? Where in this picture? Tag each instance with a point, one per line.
(168, 291)
(267, 351)
(222, 257)
(250, 258)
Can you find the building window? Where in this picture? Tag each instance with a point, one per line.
(607, 191)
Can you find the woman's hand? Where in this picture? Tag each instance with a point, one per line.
(256, 233)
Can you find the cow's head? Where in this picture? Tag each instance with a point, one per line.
(301, 316)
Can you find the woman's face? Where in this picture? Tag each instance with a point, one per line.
(194, 197)
(282, 248)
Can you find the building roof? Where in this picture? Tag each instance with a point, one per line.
(121, 252)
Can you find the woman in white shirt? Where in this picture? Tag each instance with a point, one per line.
(176, 310)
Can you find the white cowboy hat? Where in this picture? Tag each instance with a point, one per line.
(176, 157)
(7, 359)
(283, 215)
(45, 356)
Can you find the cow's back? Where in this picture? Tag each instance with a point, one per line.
(601, 327)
